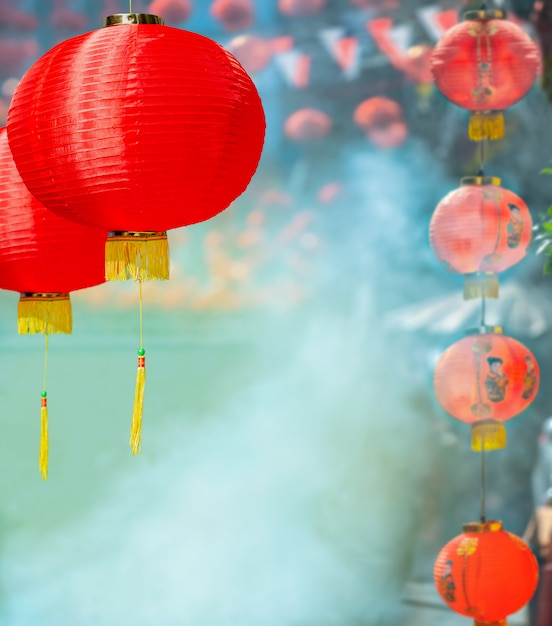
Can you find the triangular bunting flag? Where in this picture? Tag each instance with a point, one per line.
(436, 21)
(345, 50)
(295, 68)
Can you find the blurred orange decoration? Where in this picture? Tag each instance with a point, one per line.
(307, 125)
(253, 52)
(295, 8)
(329, 193)
(417, 64)
(480, 228)
(234, 14)
(275, 198)
(485, 64)
(486, 573)
(64, 18)
(382, 120)
(174, 12)
(484, 380)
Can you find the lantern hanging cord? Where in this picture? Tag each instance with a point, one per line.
(483, 309)
(481, 158)
(141, 316)
(45, 362)
(483, 516)
(130, 5)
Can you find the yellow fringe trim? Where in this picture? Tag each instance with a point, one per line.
(138, 409)
(488, 435)
(43, 454)
(44, 313)
(137, 256)
(480, 285)
(486, 125)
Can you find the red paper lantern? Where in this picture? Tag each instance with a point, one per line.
(484, 380)
(234, 14)
(43, 257)
(172, 11)
(136, 128)
(486, 573)
(307, 125)
(485, 64)
(254, 53)
(480, 229)
(296, 8)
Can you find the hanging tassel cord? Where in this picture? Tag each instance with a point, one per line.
(483, 486)
(481, 157)
(43, 453)
(138, 409)
(483, 309)
(130, 5)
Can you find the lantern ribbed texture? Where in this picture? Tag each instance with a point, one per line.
(486, 376)
(137, 128)
(485, 65)
(480, 228)
(307, 125)
(486, 574)
(39, 251)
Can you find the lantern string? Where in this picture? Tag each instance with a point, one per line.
(483, 308)
(483, 516)
(481, 157)
(43, 452)
(130, 5)
(141, 316)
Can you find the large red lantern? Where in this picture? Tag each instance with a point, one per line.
(478, 230)
(485, 64)
(486, 573)
(172, 11)
(296, 8)
(43, 257)
(136, 128)
(234, 14)
(484, 380)
(307, 125)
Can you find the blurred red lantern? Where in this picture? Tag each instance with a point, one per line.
(376, 4)
(136, 128)
(234, 14)
(295, 8)
(480, 229)
(382, 120)
(43, 257)
(136, 152)
(485, 64)
(485, 379)
(329, 192)
(14, 53)
(254, 53)
(11, 18)
(172, 11)
(486, 573)
(307, 125)
(376, 113)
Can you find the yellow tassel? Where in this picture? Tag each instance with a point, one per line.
(480, 285)
(486, 125)
(45, 313)
(488, 435)
(137, 256)
(138, 409)
(43, 454)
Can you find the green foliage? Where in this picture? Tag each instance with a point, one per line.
(543, 233)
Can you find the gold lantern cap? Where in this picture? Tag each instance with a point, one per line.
(485, 14)
(132, 18)
(484, 329)
(480, 180)
(489, 526)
